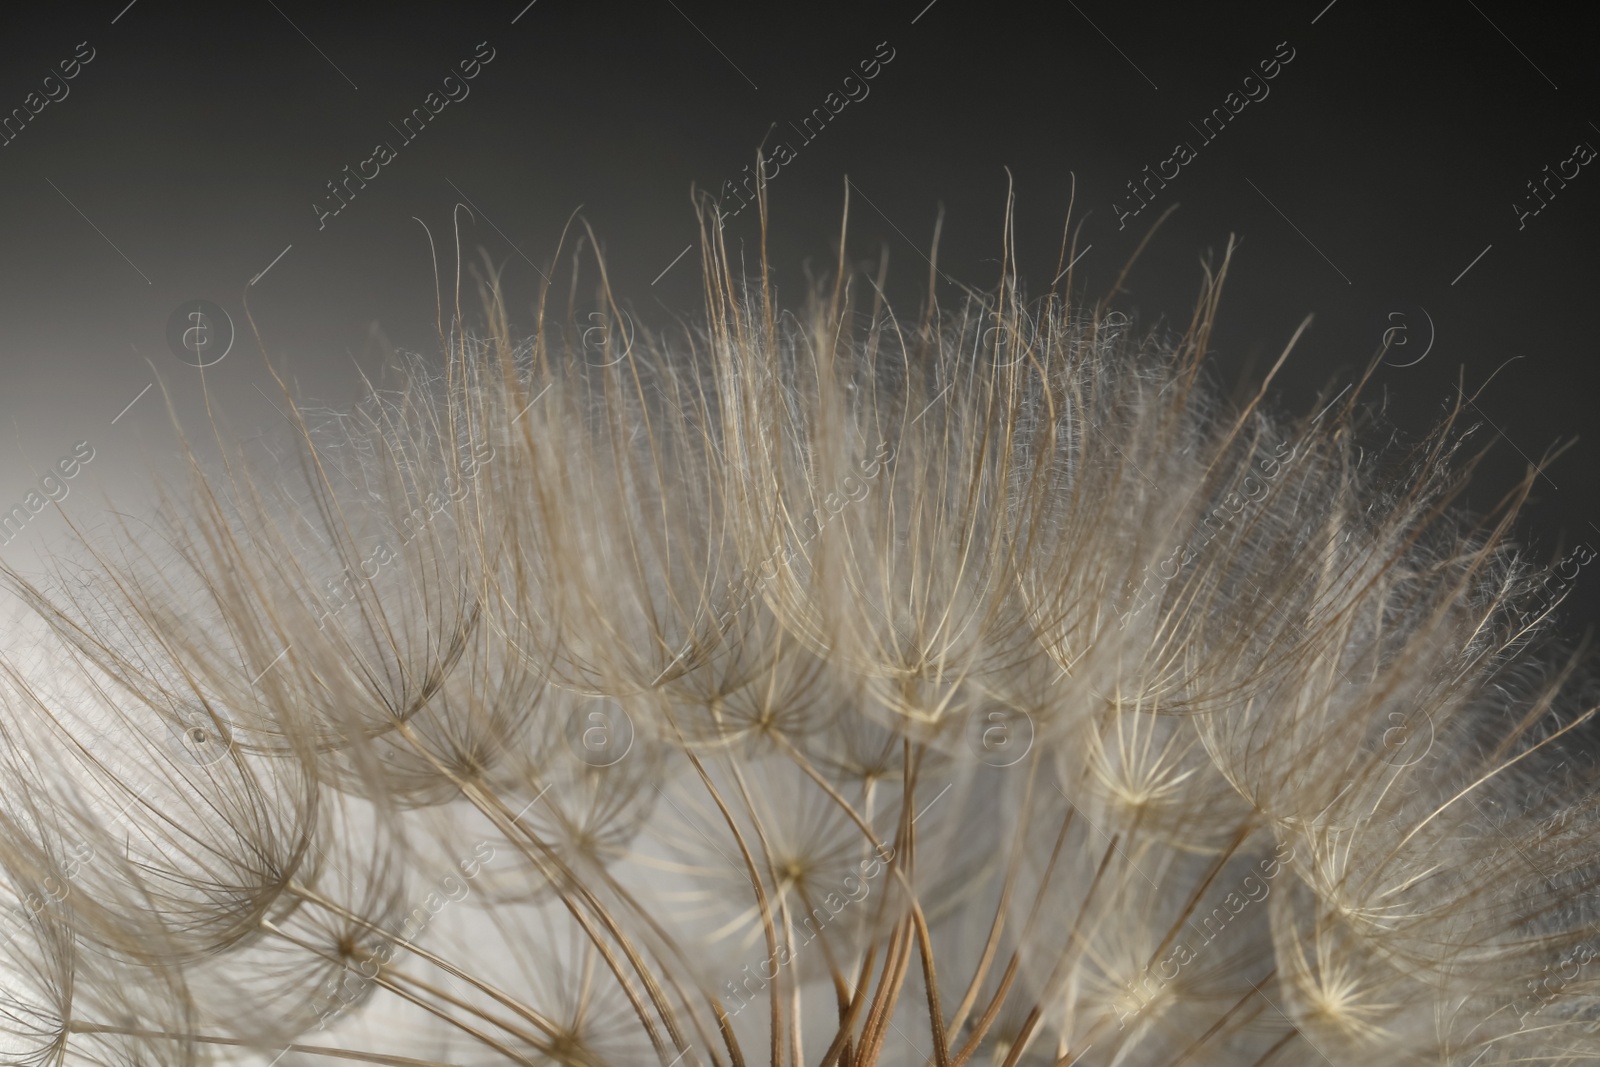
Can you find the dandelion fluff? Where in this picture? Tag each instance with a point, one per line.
(824, 683)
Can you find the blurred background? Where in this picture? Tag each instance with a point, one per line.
(1424, 172)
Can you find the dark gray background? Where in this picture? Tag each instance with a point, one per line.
(189, 152)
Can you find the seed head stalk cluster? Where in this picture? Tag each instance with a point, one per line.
(806, 687)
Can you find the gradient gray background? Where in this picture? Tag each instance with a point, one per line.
(188, 153)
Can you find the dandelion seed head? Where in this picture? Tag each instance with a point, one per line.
(789, 684)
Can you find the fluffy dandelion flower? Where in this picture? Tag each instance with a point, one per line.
(816, 685)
